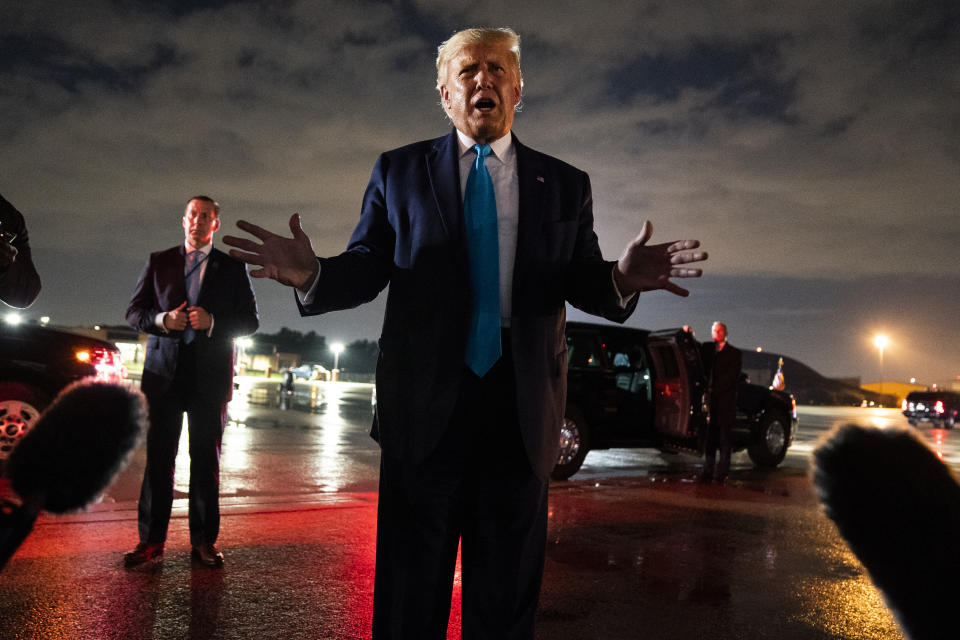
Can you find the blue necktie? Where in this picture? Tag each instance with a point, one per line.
(191, 270)
(480, 217)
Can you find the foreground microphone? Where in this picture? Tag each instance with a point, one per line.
(71, 454)
(898, 507)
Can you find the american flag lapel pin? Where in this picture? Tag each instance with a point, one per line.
(540, 179)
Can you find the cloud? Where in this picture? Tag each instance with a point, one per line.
(798, 140)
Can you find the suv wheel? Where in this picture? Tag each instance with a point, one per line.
(20, 406)
(574, 445)
(769, 446)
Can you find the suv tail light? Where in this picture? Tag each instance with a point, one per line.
(938, 407)
(107, 364)
(664, 388)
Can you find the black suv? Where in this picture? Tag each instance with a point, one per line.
(636, 388)
(35, 364)
(937, 407)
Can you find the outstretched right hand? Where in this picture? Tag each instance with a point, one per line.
(289, 261)
(176, 319)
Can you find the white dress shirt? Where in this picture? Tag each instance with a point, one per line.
(206, 249)
(502, 166)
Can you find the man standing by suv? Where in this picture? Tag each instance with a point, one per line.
(721, 362)
(192, 300)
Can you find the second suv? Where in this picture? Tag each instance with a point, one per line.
(941, 408)
(635, 388)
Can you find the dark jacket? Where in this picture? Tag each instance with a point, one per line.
(723, 372)
(19, 282)
(411, 236)
(226, 293)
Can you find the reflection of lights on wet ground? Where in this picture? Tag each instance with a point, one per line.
(938, 436)
(235, 457)
(234, 452)
(846, 608)
(330, 467)
(181, 475)
(880, 418)
(238, 409)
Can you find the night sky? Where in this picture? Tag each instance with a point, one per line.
(813, 148)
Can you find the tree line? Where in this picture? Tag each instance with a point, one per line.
(359, 356)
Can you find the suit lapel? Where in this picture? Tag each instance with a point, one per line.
(210, 275)
(173, 279)
(443, 169)
(532, 182)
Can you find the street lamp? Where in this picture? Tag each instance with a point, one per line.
(881, 341)
(337, 348)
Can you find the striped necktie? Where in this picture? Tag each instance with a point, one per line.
(191, 271)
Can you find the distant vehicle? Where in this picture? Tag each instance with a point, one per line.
(35, 364)
(635, 388)
(308, 372)
(940, 408)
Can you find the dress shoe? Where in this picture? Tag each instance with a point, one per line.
(207, 555)
(143, 552)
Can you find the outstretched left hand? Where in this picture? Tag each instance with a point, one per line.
(645, 267)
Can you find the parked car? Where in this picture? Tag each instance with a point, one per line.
(941, 408)
(308, 372)
(35, 364)
(636, 388)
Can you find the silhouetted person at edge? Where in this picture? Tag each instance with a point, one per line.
(192, 300)
(722, 363)
(482, 240)
(19, 282)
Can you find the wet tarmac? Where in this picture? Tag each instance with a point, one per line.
(636, 551)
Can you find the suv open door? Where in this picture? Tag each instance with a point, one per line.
(679, 394)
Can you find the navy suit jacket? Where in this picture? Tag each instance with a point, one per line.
(226, 293)
(411, 236)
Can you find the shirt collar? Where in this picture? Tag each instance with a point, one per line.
(206, 249)
(500, 146)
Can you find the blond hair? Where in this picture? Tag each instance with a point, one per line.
(485, 35)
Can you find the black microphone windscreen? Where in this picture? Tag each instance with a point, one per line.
(898, 507)
(78, 445)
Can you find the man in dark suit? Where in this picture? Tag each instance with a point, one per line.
(722, 364)
(192, 300)
(468, 414)
(19, 282)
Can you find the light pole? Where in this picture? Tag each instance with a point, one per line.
(337, 348)
(880, 341)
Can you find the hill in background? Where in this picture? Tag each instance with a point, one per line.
(807, 385)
